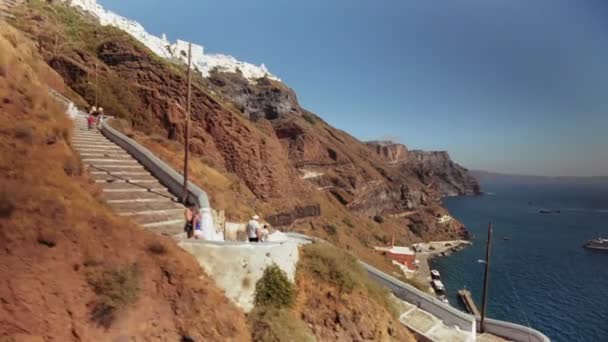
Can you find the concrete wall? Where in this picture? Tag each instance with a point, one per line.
(512, 331)
(237, 266)
(232, 228)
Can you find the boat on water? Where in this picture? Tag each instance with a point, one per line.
(599, 243)
(438, 286)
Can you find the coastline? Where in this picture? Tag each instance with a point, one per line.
(425, 251)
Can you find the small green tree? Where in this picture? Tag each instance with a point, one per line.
(274, 289)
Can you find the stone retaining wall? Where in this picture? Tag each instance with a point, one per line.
(236, 267)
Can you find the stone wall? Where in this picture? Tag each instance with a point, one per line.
(287, 218)
(236, 267)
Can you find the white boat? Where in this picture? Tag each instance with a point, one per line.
(435, 274)
(438, 285)
(599, 243)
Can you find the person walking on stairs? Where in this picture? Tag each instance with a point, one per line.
(99, 118)
(197, 224)
(253, 229)
(190, 216)
(91, 118)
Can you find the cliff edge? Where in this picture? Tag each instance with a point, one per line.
(435, 169)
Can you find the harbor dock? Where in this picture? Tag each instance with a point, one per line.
(469, 303)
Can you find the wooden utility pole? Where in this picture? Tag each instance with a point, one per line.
(187, 130)
(95, 83)
(484, 303)
(96, 72)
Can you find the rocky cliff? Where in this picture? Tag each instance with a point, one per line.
(389, 151)
(435, 169)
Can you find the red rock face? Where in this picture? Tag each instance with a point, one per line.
(391, 152)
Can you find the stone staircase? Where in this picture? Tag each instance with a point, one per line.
(127, 186)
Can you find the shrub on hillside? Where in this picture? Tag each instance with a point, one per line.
(7, 204)
(379, 219)
(332, 265)
(278, 325)
(157, 247)
(115, 289)
(331, 229)
(337, 267)
(309, 118)
(72, 166)
(274, 289)
(347, 221)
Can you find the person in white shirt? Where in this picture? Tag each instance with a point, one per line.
(253, 229)
(264, 234)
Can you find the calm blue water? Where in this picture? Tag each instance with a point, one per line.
(541, 277)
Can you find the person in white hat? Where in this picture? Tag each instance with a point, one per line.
(253, 229)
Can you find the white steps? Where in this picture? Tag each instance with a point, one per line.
(128, 188)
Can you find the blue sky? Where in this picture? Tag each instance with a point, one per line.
(503, 85)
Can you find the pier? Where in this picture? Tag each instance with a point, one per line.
(469, 303)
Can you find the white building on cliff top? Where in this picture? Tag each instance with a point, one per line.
(178, 50)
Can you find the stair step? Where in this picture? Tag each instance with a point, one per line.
(98, 149)
(129, 207)
(89, 148)
(96, 145)
(141, 177)
(88, 155)
(152, 212)
(136, 200)
(171, 217)
(93, 141)
(110, 160)
(164, 223)
(137, 195)
(114, 166)
(144, 182)
(119, 173)
(86, 134)
(132, 185)
(168, 230)
(134, 189)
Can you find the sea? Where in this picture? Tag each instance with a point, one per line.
(540, 275)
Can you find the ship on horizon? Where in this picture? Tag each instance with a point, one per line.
(599, 243)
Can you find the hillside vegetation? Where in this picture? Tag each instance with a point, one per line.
(72, 271)
(333, 300)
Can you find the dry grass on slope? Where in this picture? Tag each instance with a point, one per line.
(333, 300)
(71, 269)
(339, 302)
